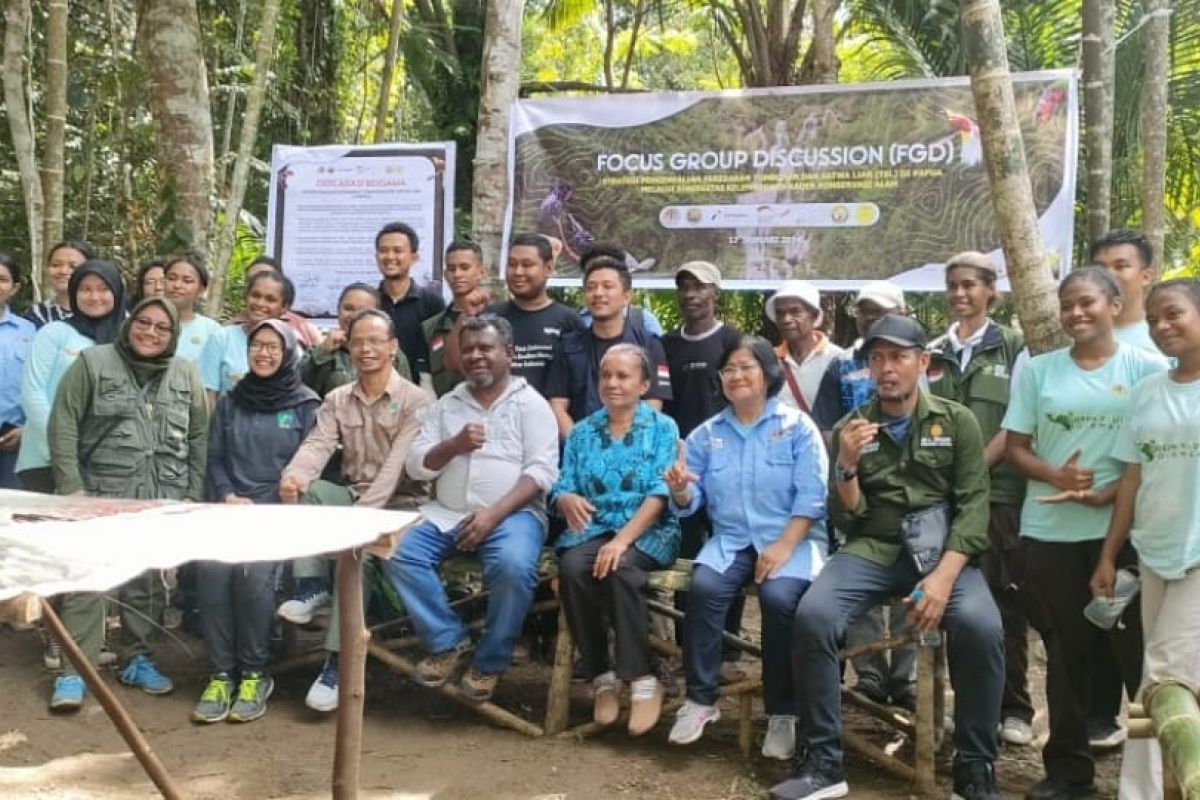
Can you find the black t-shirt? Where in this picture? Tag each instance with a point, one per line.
(535, 333)
(694, 381)
(575, 368)
(408, 315)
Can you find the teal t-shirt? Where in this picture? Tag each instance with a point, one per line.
(1066, 408)
(223, 360)
(194, 334)
(1136, 334)
(1162, 434)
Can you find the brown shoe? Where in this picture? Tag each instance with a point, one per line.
(606, 703)
(646, 699)
(435, 670)
(478, 686)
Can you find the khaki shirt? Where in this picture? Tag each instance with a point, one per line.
(375, 437)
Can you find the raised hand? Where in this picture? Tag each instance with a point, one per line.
(677, 476)
(470, 438)
(857, 433)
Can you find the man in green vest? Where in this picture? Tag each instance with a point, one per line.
(464, 272)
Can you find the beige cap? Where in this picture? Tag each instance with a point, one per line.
(703, 271)
(972, 258)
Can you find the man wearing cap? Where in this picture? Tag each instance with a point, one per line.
(805, 351)
(905, 452)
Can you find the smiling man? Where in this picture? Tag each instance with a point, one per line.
(806, 351)
(464, 273)
(406, 302)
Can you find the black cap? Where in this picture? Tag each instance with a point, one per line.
(899, 330)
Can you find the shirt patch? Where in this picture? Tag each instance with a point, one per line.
(284, 419)
(999, 370)
(934, 375)
(437, 344)
(664, 373)
(936, 437)
(716, 443)
(783, 433)
(869, 447)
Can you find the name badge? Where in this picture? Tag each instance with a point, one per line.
(936, 437)
(869, 447)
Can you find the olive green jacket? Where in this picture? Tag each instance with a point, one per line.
(436, 329)
(323, 371)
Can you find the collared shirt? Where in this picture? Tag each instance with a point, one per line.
(964, 348)
(54, 350)
(375, 436)
(520, 441)
(754, 479)
(408, 313)
(807, 373)
(16, 340)
(941, 461)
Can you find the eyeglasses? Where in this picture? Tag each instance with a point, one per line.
(270, 348)
(146, 326)
(374, 343)
(733, 370)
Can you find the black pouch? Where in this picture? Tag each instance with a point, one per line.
(924, 533)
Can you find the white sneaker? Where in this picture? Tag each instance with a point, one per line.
(52, 657)
(1016, 731)
(300, 610)
(690, 722)
(323, 694)
(780, 742)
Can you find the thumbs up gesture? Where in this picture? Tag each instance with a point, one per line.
(679, 478)
(1071, 477)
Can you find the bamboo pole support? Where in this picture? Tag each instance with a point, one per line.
(859, 744)
(884, 713)
(1176, 716)
(671, 612)
(558, 698)
(352, 661)
(112, 706)
(746, 722)
(924, 777)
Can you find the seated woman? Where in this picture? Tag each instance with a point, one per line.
(612, 494)
(759, 468)
(255, 431)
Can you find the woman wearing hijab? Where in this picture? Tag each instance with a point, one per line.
(97, 300)
(129, 421)
(256, 429)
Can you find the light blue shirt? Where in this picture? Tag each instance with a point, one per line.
(223, 360)
(16, 339)
(55, 348)
(193, 335)
(754, 479)
(649, 321)
(1162, 434)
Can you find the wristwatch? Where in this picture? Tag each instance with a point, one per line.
(844, 474)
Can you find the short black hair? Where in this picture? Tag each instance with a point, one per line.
(192, 260)
(287, 288)
(1188, 286)
(536, 240)
(465, 244)
(1092, 273)
(270, 261)
(604, 262)
(484, 322)
(764, 354)
(1120, 236)
(600, 250)
(10, 263)
(414, 241)
(374, 313)
(85, 249)
(360, 287)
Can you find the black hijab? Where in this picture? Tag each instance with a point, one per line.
(145, 368)
(279, 391)
(101, 330)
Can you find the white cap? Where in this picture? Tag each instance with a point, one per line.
(803, 291)
(883, 294)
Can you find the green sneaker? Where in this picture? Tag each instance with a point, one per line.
(251, 701)
(214, 703)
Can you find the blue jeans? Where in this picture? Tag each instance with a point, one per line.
(847, 587)
(8, 470)
(712, 594)
(509, 555)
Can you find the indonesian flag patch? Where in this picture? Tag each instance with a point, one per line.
(664, 373)
(437, 344)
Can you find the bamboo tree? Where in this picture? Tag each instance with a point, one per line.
(20, 126)
(1099, 68)
(821, 61)
(56, 120)
(241, 168)
(1157, 31)
(1004, 155)
(389, 70)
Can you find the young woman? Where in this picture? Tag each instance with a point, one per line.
(186, 282)
(223, 359)
(61, 263)
(16, 338)
(150, 281)
(614, 499)
(328, 365)
(96, 299)
(255, 431)
(1158, 508)
(1062, 426)
(774, 535)
(973, 364)
(129, 421)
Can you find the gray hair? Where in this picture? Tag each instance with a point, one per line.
(638, 353)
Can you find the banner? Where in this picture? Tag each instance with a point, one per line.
(835, 184)
(327, 203)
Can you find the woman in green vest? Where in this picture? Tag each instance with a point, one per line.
(973, 364)
(129, 421)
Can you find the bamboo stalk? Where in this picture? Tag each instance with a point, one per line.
(558, 698)
(737, 641)
(352, 660)
(1176, 716)
(881, 712)
(859, 744)
(924, 779)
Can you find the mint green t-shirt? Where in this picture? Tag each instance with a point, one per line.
(193, 335)
(223, 361)
(1162, 434)
(1066, 408)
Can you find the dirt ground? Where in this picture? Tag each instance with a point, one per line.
(416, 746)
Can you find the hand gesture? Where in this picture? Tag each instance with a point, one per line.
(1071, 477)
(857, 433)
(289, 490)
(1104, 578)
(608, 558)
(576, 510)
(677, 476)
(476, 301)
(469, 439)
(236, 500)
(771, 560)
(335, 339)
(1087, 497)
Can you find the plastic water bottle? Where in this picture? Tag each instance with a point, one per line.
(929, 638)
(1105, 612)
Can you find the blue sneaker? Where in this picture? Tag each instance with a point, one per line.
(142, 673)
(68, 693)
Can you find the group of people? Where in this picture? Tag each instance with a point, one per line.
(955, 485)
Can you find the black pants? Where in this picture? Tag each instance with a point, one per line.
(1003, 567)
(622, 595)
(38, 479)
(237, 609)
(1058, 572)
(695, 530)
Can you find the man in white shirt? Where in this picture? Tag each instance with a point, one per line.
(805, 351)
(491, 447)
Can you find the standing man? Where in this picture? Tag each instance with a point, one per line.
(905, 453)
(409, 305)
(464, 272)
(574, 384)
(493, 458)
(1129, 258)
(537, 321)
(805, 351)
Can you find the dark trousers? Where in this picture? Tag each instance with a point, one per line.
(695, 530)
(8, 470)
(237, 611)
(713, 593)
(38, 479)
(847, 587)
(1058, 572)
(622, 594)
(1003, 567)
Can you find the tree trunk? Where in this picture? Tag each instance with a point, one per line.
(20, 126)
(241, 168)
(169, 46)
(121, 139)
(56, 121)
(1099, 60)
(389, 71)
(500, 82)
(232, 98)
(821, 61)
(1012, 195)
(1154, 124)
